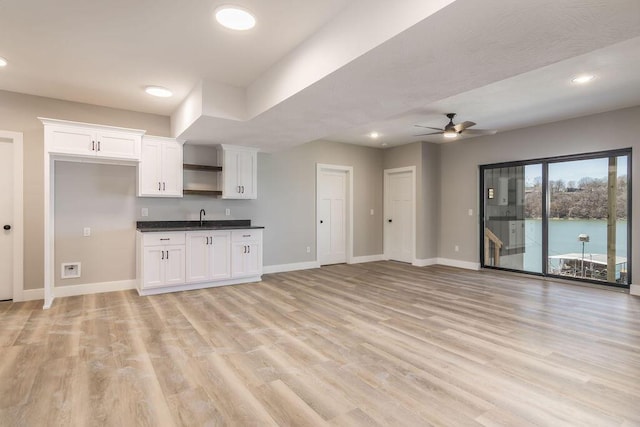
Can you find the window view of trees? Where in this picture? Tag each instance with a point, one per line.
(585, 199)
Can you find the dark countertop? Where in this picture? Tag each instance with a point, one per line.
(233, 224)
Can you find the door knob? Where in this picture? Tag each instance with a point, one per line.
(321, 222)
(7, 227)
(390, 220)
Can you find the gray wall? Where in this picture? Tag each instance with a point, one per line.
(19, 113)
(103, 197)
(460, 177)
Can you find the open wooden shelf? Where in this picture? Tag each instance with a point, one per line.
(203, 192)
(202, 167)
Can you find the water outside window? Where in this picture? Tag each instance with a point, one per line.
(587, 227)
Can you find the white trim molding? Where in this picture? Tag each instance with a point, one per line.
(634, 290)
(460, 264)
(367, 258)
(94, 288)
(282, 268)
(424, 262)
(32, 294)
(349, 217)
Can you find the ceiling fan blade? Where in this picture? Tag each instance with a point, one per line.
(464, 125)
(427, 127)
(432, 133)
(479, 132)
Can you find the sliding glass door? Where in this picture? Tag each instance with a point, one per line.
(566, 217)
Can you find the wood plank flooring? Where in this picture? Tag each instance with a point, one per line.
(377, 344)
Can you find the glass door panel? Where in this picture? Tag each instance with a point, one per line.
(513, 217)
(587, 227)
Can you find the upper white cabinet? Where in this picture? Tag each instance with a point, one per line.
(239, 171)
(160, 168)
(86, 140)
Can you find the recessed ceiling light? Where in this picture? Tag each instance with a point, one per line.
(3, 62)
(374, 135)
(384, 144)
(158, 91)
(453, 134)
(582, 79)
(235, 18)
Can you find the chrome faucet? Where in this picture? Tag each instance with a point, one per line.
(202, 213)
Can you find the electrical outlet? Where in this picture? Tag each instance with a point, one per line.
(144, 212)
(227, 212)
(371, 212)
(470, 212)
(308, 249)
(86, 232)
(456, 248)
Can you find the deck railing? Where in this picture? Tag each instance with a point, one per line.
(490, 237)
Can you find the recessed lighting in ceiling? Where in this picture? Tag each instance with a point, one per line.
(158, 91)
(582, 79)
(3, 62)
(384, 144)
(374, 135)
(235, 18)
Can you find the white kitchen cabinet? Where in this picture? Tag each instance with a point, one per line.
(246, 253)
(160, 168)
(239, 172)
(208, 255)
(161, 260)
(92, 141)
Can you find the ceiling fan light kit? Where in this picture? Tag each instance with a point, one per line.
(452, 130)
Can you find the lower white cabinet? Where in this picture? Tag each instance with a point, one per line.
(163, 260)
(208, 255)
(246, 253)
(196, 259)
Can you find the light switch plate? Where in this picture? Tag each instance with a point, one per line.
(227, 212)
(144, 212)
(86, 232)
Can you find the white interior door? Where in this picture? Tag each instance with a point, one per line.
(6, 220)
(332, 216)
(399, 215)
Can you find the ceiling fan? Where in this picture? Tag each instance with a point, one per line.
(452, 130)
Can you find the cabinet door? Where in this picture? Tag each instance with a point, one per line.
(153, 267)
(149, 169)
(253, 259)
(118, 145)
(238, 251)
(230, 170)
(197, 259)
(220, 259)
(172, 169)
(247, 179)
(72, 140)
(174, 273)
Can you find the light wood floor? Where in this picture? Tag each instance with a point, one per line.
(371, 344)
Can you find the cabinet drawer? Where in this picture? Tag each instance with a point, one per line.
(157, 239)
(246, 235)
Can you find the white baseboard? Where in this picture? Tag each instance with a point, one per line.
(424, 262)
(460, 264)
(281, 268)
(366, 258)
(634, 290)
(93, 288)
(32, 294)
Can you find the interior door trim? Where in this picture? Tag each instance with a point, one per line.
(17, 228)
(385, 238)
(349, 216)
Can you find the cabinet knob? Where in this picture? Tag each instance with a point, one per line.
(7, 227)
(321, 222)
(390, 220)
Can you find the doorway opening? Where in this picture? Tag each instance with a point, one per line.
(400, 214)
(11, 218)
(334, 214)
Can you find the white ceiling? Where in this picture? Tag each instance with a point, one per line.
(335, 69)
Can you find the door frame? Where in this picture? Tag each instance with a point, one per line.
(349, 214)
(385, 192)
(16, 138)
